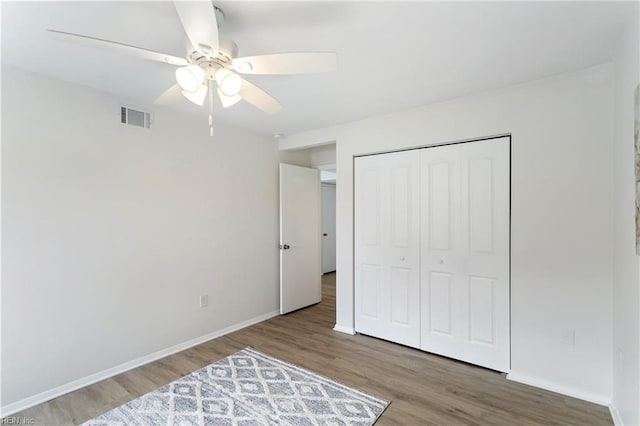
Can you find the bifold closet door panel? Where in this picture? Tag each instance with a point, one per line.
(387, 252)
(441, 253)
(464, 192)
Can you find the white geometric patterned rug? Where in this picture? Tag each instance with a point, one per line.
(248, 388)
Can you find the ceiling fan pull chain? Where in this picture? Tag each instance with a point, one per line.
(210, 84)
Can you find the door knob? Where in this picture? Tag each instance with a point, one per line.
(284, 246)
(325, 234)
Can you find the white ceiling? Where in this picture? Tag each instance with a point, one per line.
(391, 55)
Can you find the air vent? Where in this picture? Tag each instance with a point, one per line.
(135, 117)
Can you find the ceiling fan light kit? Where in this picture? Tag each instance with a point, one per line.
(198, 96)
(228, 81)
(214, 61)
(190, 78)
(228, 101)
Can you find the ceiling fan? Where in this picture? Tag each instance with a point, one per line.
(214, 62)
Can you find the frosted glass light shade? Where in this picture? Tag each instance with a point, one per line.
(190, 78)
(198, 96)
(229, 82)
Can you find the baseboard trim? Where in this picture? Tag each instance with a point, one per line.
(29, 402)
(343, 329)
(615, 415)
(558, 388)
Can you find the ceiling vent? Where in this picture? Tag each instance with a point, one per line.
(135, 117)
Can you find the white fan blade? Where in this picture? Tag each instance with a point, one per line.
(287, 63)
(199, 21)
(172, 95)
(228, 101)
(119, 47)
(259, 98)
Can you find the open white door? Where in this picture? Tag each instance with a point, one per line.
(300, 237)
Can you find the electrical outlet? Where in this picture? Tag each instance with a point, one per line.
(204, 300)
(569, 337)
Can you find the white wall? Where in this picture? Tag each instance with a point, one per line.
(111, 233)
(561, 214)
(323, 155)
(626, 288)
(297, 158)
(310, 157)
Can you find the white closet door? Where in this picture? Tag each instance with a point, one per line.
(465, 252)
(387, 252)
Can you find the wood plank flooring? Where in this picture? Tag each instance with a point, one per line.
(424, 389)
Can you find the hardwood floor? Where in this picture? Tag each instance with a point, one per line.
(423, 388)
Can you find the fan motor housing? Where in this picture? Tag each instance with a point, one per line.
(210, 68)
(226, 52)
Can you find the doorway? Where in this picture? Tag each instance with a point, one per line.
(328, 227)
